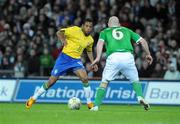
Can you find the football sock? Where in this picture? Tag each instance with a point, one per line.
(40, 91)
(87, 90)
(138, 89)
(85, 84)
(100, 94)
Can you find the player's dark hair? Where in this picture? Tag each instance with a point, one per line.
(87, 20)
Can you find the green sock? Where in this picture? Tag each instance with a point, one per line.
(100, 94)
(45, 86)
(85, 84)
(137, 88)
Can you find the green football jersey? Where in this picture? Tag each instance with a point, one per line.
(118, 39)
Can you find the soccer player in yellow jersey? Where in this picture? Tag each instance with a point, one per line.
(75, 39)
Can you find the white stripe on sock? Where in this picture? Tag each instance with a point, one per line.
(39, 92)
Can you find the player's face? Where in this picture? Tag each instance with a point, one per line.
(87, 28)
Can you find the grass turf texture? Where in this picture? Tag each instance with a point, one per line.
(16, 113)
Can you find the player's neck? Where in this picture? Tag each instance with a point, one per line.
(115, 25)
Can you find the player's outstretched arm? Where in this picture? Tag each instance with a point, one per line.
(91, 58)
(145, 46)
(99, 49)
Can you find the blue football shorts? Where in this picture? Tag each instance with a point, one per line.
(65, 63)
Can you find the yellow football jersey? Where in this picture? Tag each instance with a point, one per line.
(76, 42)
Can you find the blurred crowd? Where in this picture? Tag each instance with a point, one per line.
(29, 46)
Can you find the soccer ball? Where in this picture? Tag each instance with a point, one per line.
(74, 103)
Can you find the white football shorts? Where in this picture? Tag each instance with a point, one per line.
(123, 62)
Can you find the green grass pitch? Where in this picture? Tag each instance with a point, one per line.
(16, 113)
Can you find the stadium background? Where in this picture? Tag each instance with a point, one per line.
(29, 48)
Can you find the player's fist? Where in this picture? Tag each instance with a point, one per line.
(149, 59)
(95, 62)
(94, 67)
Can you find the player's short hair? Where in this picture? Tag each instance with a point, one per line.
(87, 20)
(113, 21)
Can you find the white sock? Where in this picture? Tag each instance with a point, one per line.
(39, 92)
(87, 91)
(96, 107)
(139, 98)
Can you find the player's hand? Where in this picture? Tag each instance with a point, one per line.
(149, 59)
(95, 62)
(94, 67)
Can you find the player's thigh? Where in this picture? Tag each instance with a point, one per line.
(130, 71)
(62, 64)
(65, 63)
(110, 71)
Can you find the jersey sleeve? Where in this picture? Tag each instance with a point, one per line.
(102, 36)
(68, 31)
(89, 47)
(134, 36)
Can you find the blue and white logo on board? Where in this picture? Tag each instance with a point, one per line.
(117, 91)
(121, 92)
(163, 93)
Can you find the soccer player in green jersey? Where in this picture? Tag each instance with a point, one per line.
(119, 50)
